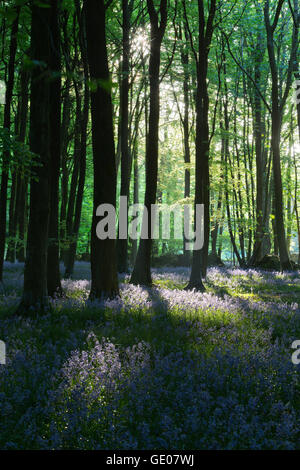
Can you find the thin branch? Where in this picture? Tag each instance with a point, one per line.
(107, 4)
(296, 21)
(246, 73)
(190, 33)
(277, 14)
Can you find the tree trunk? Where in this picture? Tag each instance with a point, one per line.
(6, 125)
(74, 178)
(122, 243)
(11, 245)
(53, 273)
(64, 171)
(276, 115)
(186, 135)
(103, 252)
(22, 186)
(259, 131)
(199, 260)
(71, 253)
(215, 230)
(35, 293)
(142, 270)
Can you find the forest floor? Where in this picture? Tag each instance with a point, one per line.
(158, 368)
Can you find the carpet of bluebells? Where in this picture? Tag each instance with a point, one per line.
(159, 368)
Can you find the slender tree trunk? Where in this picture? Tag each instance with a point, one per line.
(35, 293)
(214, 232)
(53, 273)
(11, 245)
(21, 212)
(239, 202)
(276, 115)
(103, 252)
(199, 261)
(259, 131)
(22, 186)
(296, 205)
(6, 125)
(70, 213)
(221, 232)
(12, 224)
(142, 270)
(122, 243)
(135, 196)
(64, 171)
(71, 253)
(186, 135)
(135, 174)
(226, 161)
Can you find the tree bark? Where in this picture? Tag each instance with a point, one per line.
(276, 115)
(199, 260)
(70, 212)
(64, 170)
(6, 125)
(142, 270)
(259, 131)
(122, 243)
(71, 253)
(35, 293)
(186, 134)
(53, 272)
(22, 185)
(103, 252)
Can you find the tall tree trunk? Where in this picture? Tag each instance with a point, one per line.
(22, 185)
(11, 245)
(71, 253)
(238, 195)
(134, 151)
(35, 293)
(142, 270)
(64, 170)
(227, 164)
(12, 217)
(53, 273)
(75, 175)
(103, 252)
(122, 243)
(6, 125)
(186, 134)
(296, 204)
(135, 195)
(259, 132)
(199, 261)
(276, 115)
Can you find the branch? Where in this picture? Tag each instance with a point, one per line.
(174, 46)
(246, 73)
(190, 34)
(296, 21)
(107, 4)
(292, 61)
(276, 18)
(164, 15)
(152, 13)
(209, 24)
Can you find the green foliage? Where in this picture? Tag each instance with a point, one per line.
(21, 158)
